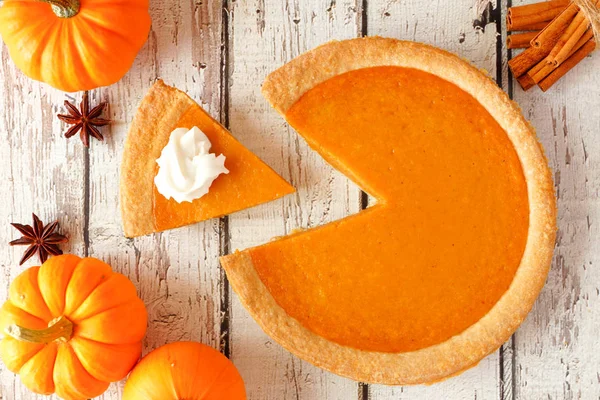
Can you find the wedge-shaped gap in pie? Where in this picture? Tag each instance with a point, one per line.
(445, 267)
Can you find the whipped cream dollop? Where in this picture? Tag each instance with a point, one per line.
(186, 168)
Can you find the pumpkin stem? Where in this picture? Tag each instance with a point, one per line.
(64, 8)
(60, 329)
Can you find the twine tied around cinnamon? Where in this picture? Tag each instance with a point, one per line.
(590, 9)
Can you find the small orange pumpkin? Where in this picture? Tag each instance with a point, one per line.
(71, 326)
(74, 45)
(185, 370)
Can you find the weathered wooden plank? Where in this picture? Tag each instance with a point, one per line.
(555, 349)
(177, 272)
(466, 28)
(479, 382)
(41, 172)
(264, 35)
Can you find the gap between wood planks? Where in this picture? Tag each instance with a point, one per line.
(86, 201)
(363, 388)
(506, 359)
(224, 236)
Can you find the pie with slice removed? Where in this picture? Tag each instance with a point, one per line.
(446, 265)
(249, 182)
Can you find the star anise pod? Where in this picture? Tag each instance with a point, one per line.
(84, 120)
(40, 238)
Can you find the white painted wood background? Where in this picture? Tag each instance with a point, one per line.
(219, 51)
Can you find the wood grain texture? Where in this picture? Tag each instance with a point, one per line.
(177, 272)
(552, 356)
(264, 35)
(41, 172)
(556, 353)
(467, 29)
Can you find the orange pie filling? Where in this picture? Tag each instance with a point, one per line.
(448, 232)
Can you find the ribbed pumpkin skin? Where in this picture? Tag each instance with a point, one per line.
(109, 325)
(185, 371)
(94, 48)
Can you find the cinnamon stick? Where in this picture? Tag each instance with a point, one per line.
(529, 9)
(566, 66)
(521, 22)
(548, 36)
(569, 39)
(520, 40)
(522, 63)
(526, 82)
(544, 68)
(535, 26)
(540, 71)
(576, 30)
(543, 43)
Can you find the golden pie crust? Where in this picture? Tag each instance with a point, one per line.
(283, 88)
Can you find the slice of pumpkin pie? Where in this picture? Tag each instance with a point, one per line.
(443, 269)
(180, 166)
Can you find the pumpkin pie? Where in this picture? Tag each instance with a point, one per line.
(449, 261)
(248, 181)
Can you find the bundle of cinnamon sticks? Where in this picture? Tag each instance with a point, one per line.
(556, 35)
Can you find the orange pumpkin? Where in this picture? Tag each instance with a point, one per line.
(185, 370)
(74, 45)
(71, 326)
